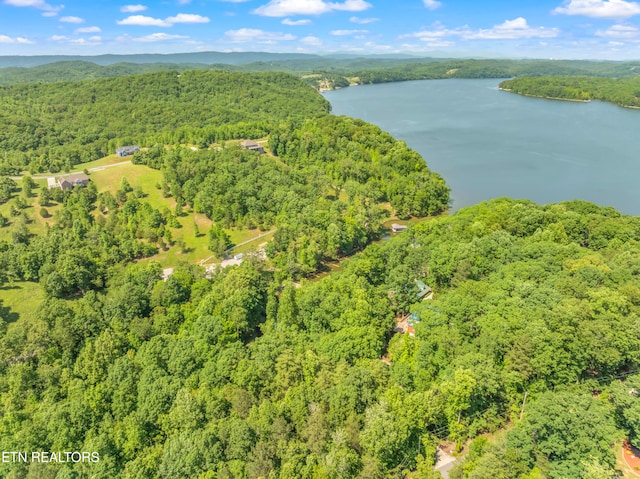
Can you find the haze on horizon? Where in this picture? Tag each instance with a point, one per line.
(580, 29)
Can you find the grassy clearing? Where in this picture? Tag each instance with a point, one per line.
(137, 175)
(109, 179)
(37, 224)
(106, 161)
(21, 300)
(196, 246)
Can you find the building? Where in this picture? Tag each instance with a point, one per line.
(424, 291)
(396, 228)
(68, 182)
(411, 324)
(127, 150)
(252, 145)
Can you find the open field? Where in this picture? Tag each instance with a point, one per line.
(196, 246)
(21, 299)
(37, 224)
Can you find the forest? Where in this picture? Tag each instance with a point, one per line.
(327, 191)
(619, 91)
(336, 71)
(54, 126)
(245, 375)
(526, 357)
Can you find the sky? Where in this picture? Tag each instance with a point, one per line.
(590, 29)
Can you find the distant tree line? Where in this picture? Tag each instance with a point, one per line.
(51, 127)
(620, 91)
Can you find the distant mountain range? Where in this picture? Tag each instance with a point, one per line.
(321, 71)
(208, 58)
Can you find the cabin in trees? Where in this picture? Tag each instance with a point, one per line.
(396, 228)
(252, 145)
(68, 182)
(412, 320)
(424, 291)
(127, 150)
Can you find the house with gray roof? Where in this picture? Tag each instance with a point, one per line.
(252, 145)
(68, 182)
(127, 150)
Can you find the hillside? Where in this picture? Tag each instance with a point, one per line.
(50, 127)
(324, 357)
(337, 71)
(231, 58)
(620, 91)
(241, 376)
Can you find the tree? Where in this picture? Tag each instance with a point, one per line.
(219, 240)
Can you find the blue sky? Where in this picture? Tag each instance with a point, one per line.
(606, 29)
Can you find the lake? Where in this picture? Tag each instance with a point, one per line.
(488, 143)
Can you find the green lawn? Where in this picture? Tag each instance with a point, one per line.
(37, 223)
(148, 180)
(107, 160)
(22, 299)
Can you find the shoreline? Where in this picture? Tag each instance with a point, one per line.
(567, 99)
(324, 90)
(544, 97)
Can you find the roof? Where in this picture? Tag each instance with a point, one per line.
(423, 289)
(76, 178)
(127, 148)
(249, 144)
(397, 227)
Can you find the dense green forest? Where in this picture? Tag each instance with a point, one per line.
(528, 354)
(621, 91)
(326, 192)
(81, 70)
(51, 127)
(316, 70)
(243, 375)
(495, 69)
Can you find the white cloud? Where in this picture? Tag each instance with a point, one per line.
(187, 18)
(88, 30)
(283, 8)
(340, 33)
(619, 31)
(245, 35)
(72, 20)
(154, 37)
(42, 5)
(599, 8)
(432, 4)
(295, 23)
(311, 41)
(49, 14)
(514, 29)
(18, 40)
(133, 8)
(91, 41)
(143, 21)
(509, 30)
(363, 21)
(158, 37)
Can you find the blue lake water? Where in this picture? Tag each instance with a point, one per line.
(487, 143)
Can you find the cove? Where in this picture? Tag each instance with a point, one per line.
(488, 143)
